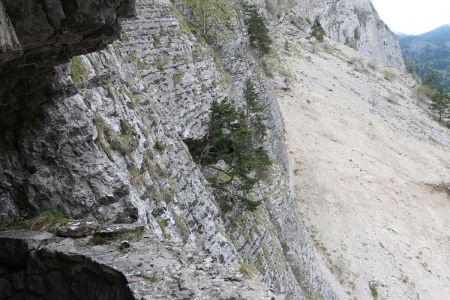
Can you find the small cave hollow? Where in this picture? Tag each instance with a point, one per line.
(43, 274)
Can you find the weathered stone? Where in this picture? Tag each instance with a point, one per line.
(77, 229)
(9, 45)
(150, 270)
(53, 31)
(15, 246)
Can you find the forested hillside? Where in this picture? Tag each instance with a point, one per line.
(429, 55)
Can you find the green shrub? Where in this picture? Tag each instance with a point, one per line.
(159, 146)
(257, 31)
(182, 227)
(373, 291)
(317, 31)
(424, 91)
(245, 270)
(136, 177)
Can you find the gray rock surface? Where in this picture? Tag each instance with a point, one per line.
(9, 45)
(80, 229)
(353, 22)
(73, 269)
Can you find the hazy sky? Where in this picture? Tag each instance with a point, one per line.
(413, 16)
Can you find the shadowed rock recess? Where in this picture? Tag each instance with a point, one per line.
(100, 197)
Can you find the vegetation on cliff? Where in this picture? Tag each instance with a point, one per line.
(234, 148)
(257, 31)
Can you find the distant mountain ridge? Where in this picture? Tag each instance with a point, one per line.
(430, 53)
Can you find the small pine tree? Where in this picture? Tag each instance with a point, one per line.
(440, 103)
(257, 31)
(236, 137)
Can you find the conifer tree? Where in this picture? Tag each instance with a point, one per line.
(440, 103)
(257, 31)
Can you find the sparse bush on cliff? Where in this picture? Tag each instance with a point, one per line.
(46, 220)
(77, 70)
(317, 31)
(233, 147)
(257, 31)
(208, 17)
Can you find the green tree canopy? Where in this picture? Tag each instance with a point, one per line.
(257, 31)
(440, 103)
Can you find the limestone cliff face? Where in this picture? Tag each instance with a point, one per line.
(353, 22)
(102, 137)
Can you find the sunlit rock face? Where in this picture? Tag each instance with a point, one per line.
(353, 22)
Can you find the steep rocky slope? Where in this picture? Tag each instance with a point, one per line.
(371, 171)
(103, 137)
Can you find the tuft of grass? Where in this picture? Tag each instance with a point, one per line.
(166, 194)
(102, 129)
(163, 225)
(245, 270)
(151, 278)
(100, 125)
(130, 235)
(140, 64)
(77, 70)
(182, 227)
(143, 65)
(46, 220)
(159, 146)
(156, 39)
(133, 55)
(389, 75)
(177, 78)
(124, 143)
(161, 62)
(136, 177)
(49, 220)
